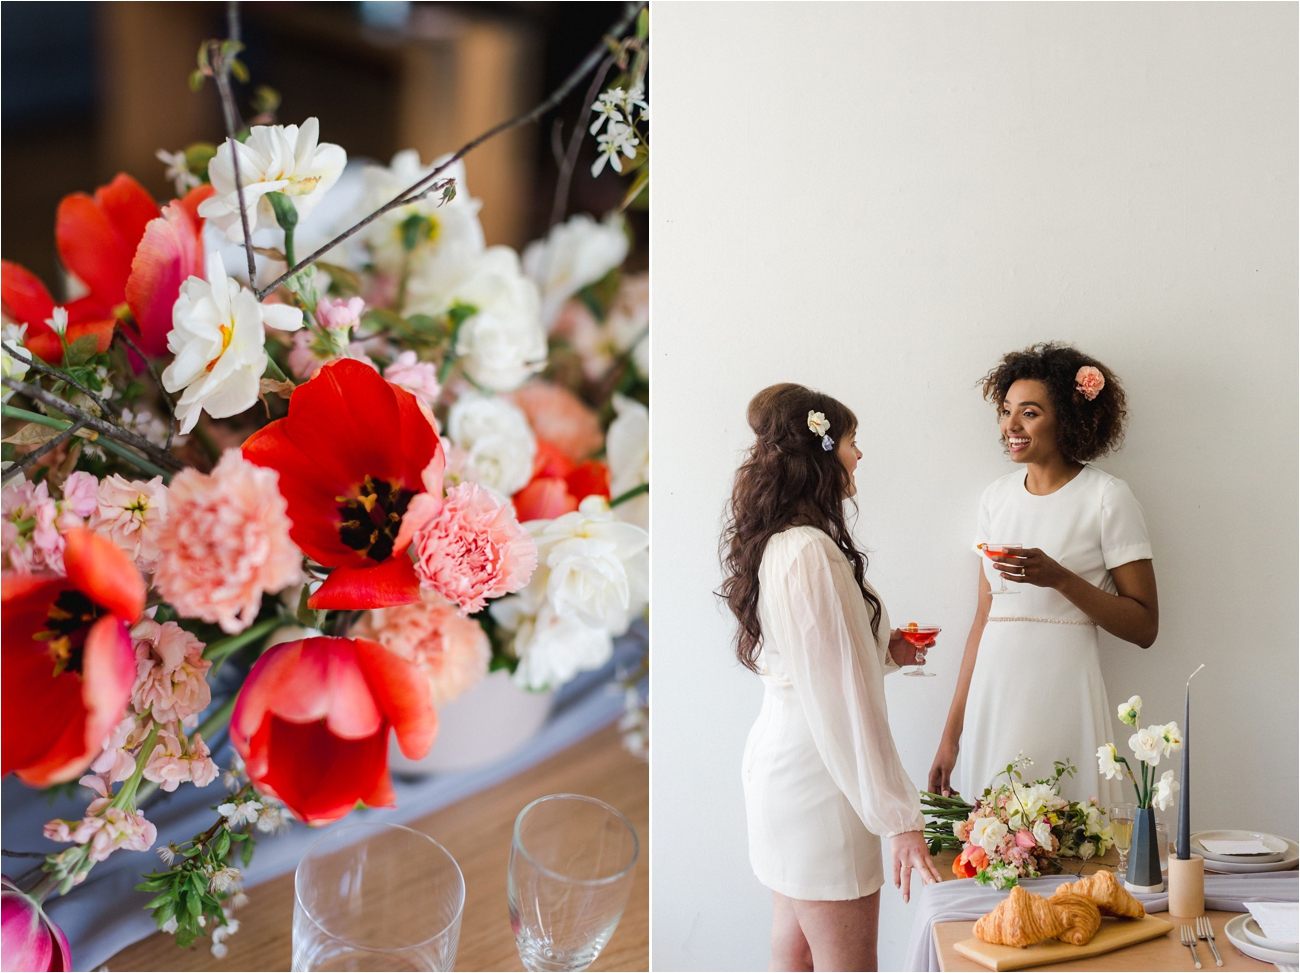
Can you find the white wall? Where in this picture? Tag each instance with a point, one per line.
(880, 199)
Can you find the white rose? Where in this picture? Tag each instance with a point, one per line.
(594, 566)
(275, 159)
(1165, 790)
(575, 254)
(498, 441)
(503, 343)
(551, 648)
(1107, 763)
(1131, 711)
(218, 339)
(1146, 744)
(627, 447)
(988, 834)
(1043, 834)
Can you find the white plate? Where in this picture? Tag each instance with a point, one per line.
(1277, 846)
(1289, 862)
(1250, 929)
(1234, 929)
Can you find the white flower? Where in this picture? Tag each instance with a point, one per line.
(988, 834)
(1043, 834)
(503, 343)
(576, 253)
(218, 342)
(13, 366)
(275, 159)
(595, 567)
(1171, 738)
(59, 322)
(608, 107)
(818, 424)
(237, 814)
(615, 139)
(170, 926)
(499, 442)
(273, 819)
(446, 245)
(1131, 711)
(222, 933)
(1087, 850)
(1146, 744)
(551, 649)
(1106, 761)
(224, 879)
(167, 854)
(1165, 790)
(627, 447)
(178, 171)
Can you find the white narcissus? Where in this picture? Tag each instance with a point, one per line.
(627, 446)
(218, 339)
(1131, 711)
(1165, 790)
(1171, 738)
(1107, 762)
(498, 440)
(576, 253)
(1043, 834)
(1147, 743)
(275, 159)
(595, 567)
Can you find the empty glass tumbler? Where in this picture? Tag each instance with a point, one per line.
(571, 865)
(376, 897)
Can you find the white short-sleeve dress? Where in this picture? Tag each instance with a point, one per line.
(821, 774)
(1037, 687)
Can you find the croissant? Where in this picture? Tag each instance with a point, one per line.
(1108, 895)
(1081, 915)
(1021, 919)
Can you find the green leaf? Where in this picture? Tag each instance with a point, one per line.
(416, 229)
(157, 901)
(423, 324)
(196, 81)
(265, 99)
(460, 312)
(223, 843)
(640, 188)
(193, 904)
(81, 350)
(643, 23)
(286, 214)
(164, 911)
(238, 69)
(246, 852)
(230, 47)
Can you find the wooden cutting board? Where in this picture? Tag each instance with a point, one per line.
(1113, 934)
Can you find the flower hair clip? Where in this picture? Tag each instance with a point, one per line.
(820, 427)
(1089, 381)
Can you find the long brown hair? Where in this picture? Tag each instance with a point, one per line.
(787, 479)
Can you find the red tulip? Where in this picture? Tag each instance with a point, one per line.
(970, 861)
(28, 940)
(312, 724)
(361, 468)
(28, 302)
(558, 486)
(68, 662)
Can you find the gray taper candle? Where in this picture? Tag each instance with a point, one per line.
(1184, 804)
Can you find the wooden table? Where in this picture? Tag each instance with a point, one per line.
(1166, 953)
(477, 832)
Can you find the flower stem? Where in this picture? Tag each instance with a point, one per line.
(139, 461)
(126, 796)
(631, 494)
(219, 650)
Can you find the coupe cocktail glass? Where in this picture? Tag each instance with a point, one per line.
(920, 636)
(991, 551)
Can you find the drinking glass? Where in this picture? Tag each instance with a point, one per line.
(376, 896)
(1121, 826)
(571, 865)
(920, 636)
(1162, 846)
(992, 550)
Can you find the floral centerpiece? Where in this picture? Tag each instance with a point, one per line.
(305, 503)
(1016, 829)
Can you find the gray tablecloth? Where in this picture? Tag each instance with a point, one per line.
(963, 900)
(104, 914)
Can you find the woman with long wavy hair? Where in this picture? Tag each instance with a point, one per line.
(823, 781)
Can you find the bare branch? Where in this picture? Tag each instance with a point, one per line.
(30, 459)
(35, 364)
(422, 187)
(153, 373)
(221, 74)
(575, 142)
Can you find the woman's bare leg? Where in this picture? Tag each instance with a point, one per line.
(840, 935)
(789, 946)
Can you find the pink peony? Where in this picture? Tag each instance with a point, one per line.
(474, 549)
(171, 674)
(1089, 381)
(226, 542)
(420, 378)
(561, 418)
(338, 314)
(451, 650)
(130, 513)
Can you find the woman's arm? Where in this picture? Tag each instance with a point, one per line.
(1132, 615)
(946, 759)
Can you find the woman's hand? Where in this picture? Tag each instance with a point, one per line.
(941, 770)
(1031, 566)
(904, 653)
(910, 855)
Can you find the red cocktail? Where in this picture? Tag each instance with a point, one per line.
(920, 636)
(994, 551)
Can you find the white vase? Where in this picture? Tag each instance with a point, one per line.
(493, 719)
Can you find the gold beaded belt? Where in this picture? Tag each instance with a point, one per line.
(1035, 618)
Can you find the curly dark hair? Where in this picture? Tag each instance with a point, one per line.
(1085, 430)
(787, 480)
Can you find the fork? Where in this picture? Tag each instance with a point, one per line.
(1188, 936)
(1205, 930)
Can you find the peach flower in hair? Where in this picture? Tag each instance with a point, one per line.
(1089, 381)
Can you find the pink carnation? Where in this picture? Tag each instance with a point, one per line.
(451, 650)
(561, 418)
(130, 513)
(474, 549)
(338, 314)
(420, 378)
(171, 674)
(225, 543)
(1089, 381)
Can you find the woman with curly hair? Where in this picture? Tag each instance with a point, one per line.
(1030, 679)
(821, 773)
